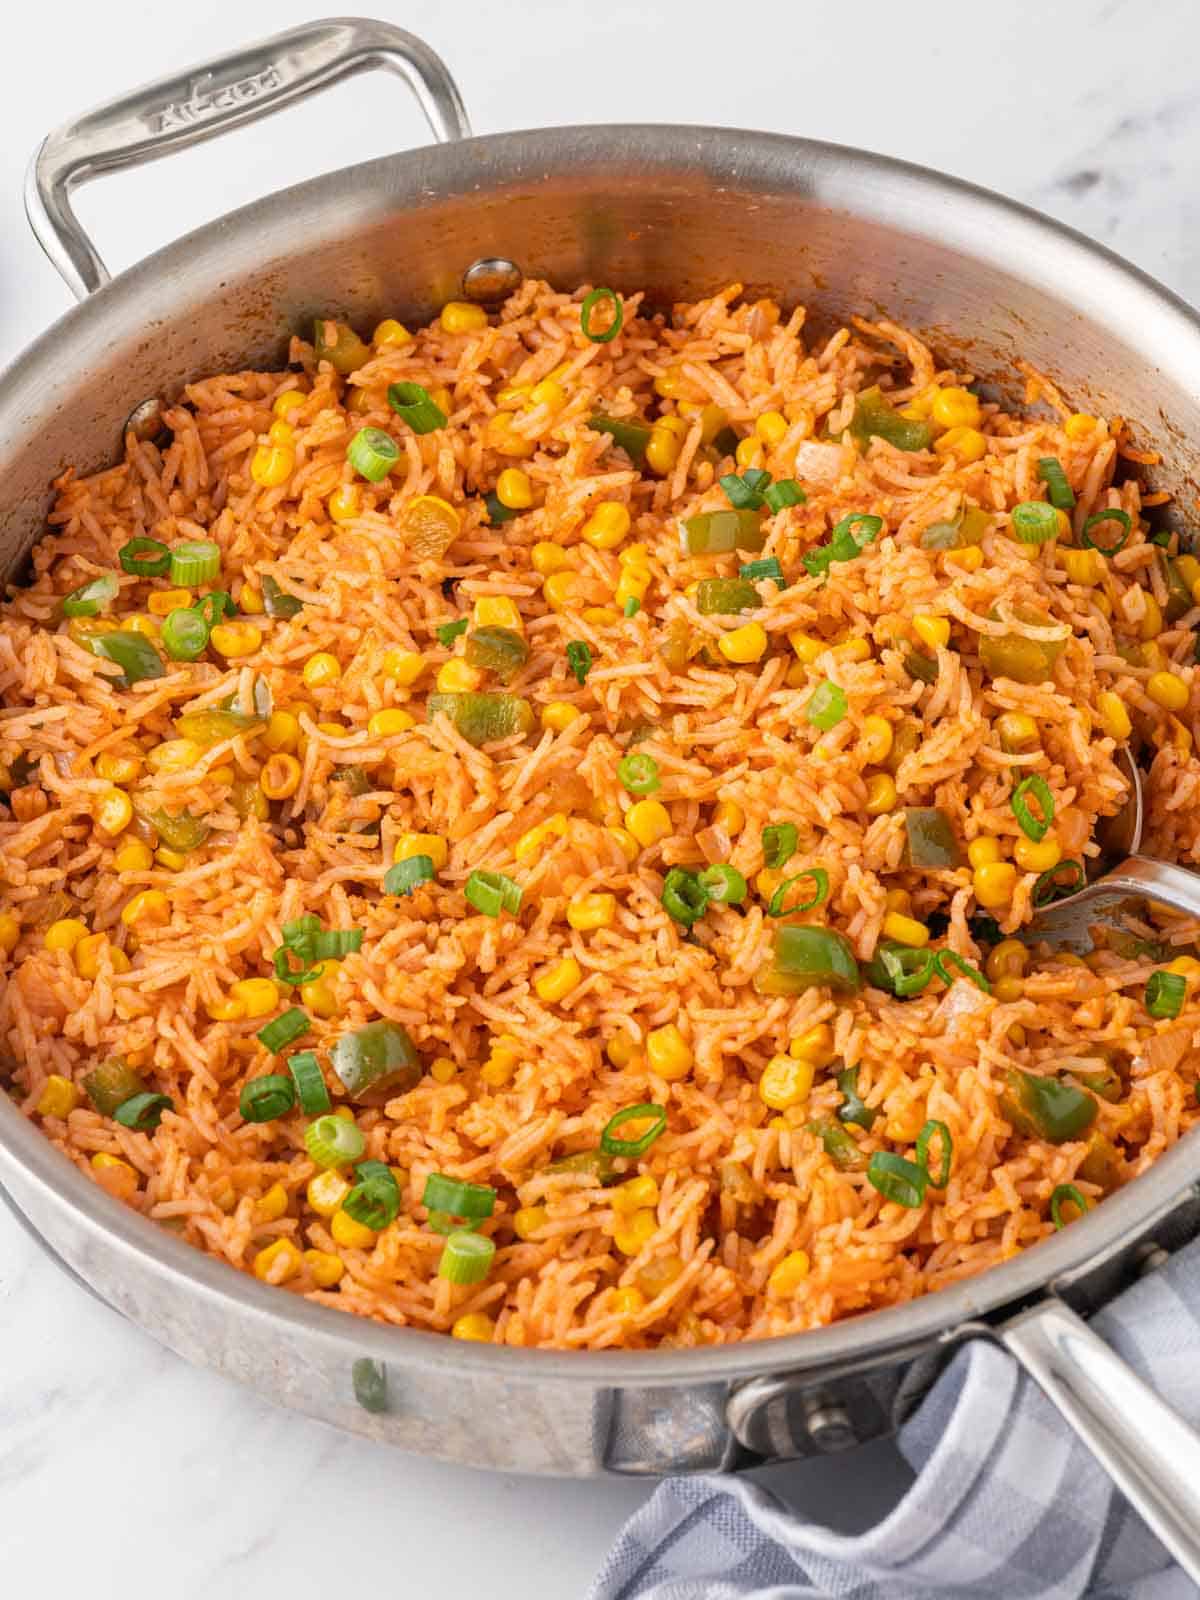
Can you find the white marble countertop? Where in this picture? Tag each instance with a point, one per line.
(124, 1472)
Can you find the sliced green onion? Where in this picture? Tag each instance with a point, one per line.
(1050, 471)
(579, 659)
(638, 773)
(820, 894)
(132, 652)
(632, 606)
(1050, 887)
(491, 893)
(684, 897)
(142, 1112)
(309, 1082)
(311, 942)
(853, 1108)
(724, 885)
(145, 558)
(826, 707)
(184, 634)
(497, 511)
(900, 969)
(590, 302)
(897, 1179)
(264, 1099)
(195, 561)
(334, 1141)
(375, 1200)
(215, 605)
(412, 404)
(472, 1201)
(614, 1146)
(768, 567)
(376, 1062)
(467, 1258)
(447, 1222)
(1034, 521)
(1165, 993)
(447, 632)
(90, 599)
(1035, 828)
(404, 877)
(743, 493)
(934, 1129)
(281, 1030)
(787, 492)
(779, 841)
(951, 958)
(1123, 520)
(276, 603)
(1065, 1194)
(372, 453)
(847, 542)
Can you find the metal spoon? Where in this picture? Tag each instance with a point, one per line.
(1124, 873)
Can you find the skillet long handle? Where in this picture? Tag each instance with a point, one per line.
(211, 98)
(1148, 1449)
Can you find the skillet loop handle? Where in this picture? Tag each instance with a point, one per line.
(1149, 1451)
(210, 99)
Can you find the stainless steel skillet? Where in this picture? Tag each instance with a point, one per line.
(678, 210)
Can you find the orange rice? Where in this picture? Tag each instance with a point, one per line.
(740, 1226)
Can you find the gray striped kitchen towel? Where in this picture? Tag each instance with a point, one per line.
(1007, 1505)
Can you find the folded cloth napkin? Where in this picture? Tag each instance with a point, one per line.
(1007, 1504)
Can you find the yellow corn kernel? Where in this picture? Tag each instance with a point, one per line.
(785, 1082)
(636, 1193)
(669, 383)
(814, 1046)
(668, 1053)
(173, 860)
(631, 585)
(1168, 690)
(1062, 523)
(853, 650)
(968, 444)
(272, 1205)
(1082, 566)
(558, 715)
(607, 525)
(767, 881)
(514, 489)
(635, 555)
(432, 845)
(557, 982)
(592, 911)
(58, 1098)
(628, 1302)
(391, 335)
(1102, 603)
(1037, 855)
(443, 1070)
(528, 1220)
(345, 503)
(386, 723)
(288, 401)
(282, 731)
(64, 934)
(272, 464)
(225, 1010)
(1079, 425)
(531, 842)
(905, 930)
(403, 666)
(475, 1326)
(876, 739)
(898, 900)
(250, 600)
(324, 1268)
(280, 776)
(1008, 959)
(88, 953)
(749, 453)
(320, 996)
(326, 1192)
(118, 766)
(881, 794)
(547, 393)
(1188, 569)
(621, 1050)
(561, 589)
(548, 558)
(994, 884)
(163, 601)
(789, 1274)
(625, 843)
(955, 408)
(744, 645)
(460, 316)
(1008, 989)
(1017, 730)
(632, 1233)
(969, 558)
(114, 810)
(1185, 966)
(174, 755)
(727, 814)
(258, 997)
(662, 449)
(771, 427)
(1113, 715)
(806, 647)
(1152, 620)
(234, 639)
(320, 669)
(351, 1235)
(278, 1262)
(115, 1175)
(648, 821)
(10, 932)
(502, 437)
(281, 433)
(497, 611)
(932, 631)
(148, 627)
(982, 852)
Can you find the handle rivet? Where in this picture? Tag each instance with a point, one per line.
(490, 279)
(831, 1430)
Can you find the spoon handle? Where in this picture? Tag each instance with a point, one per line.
(1155, 880)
